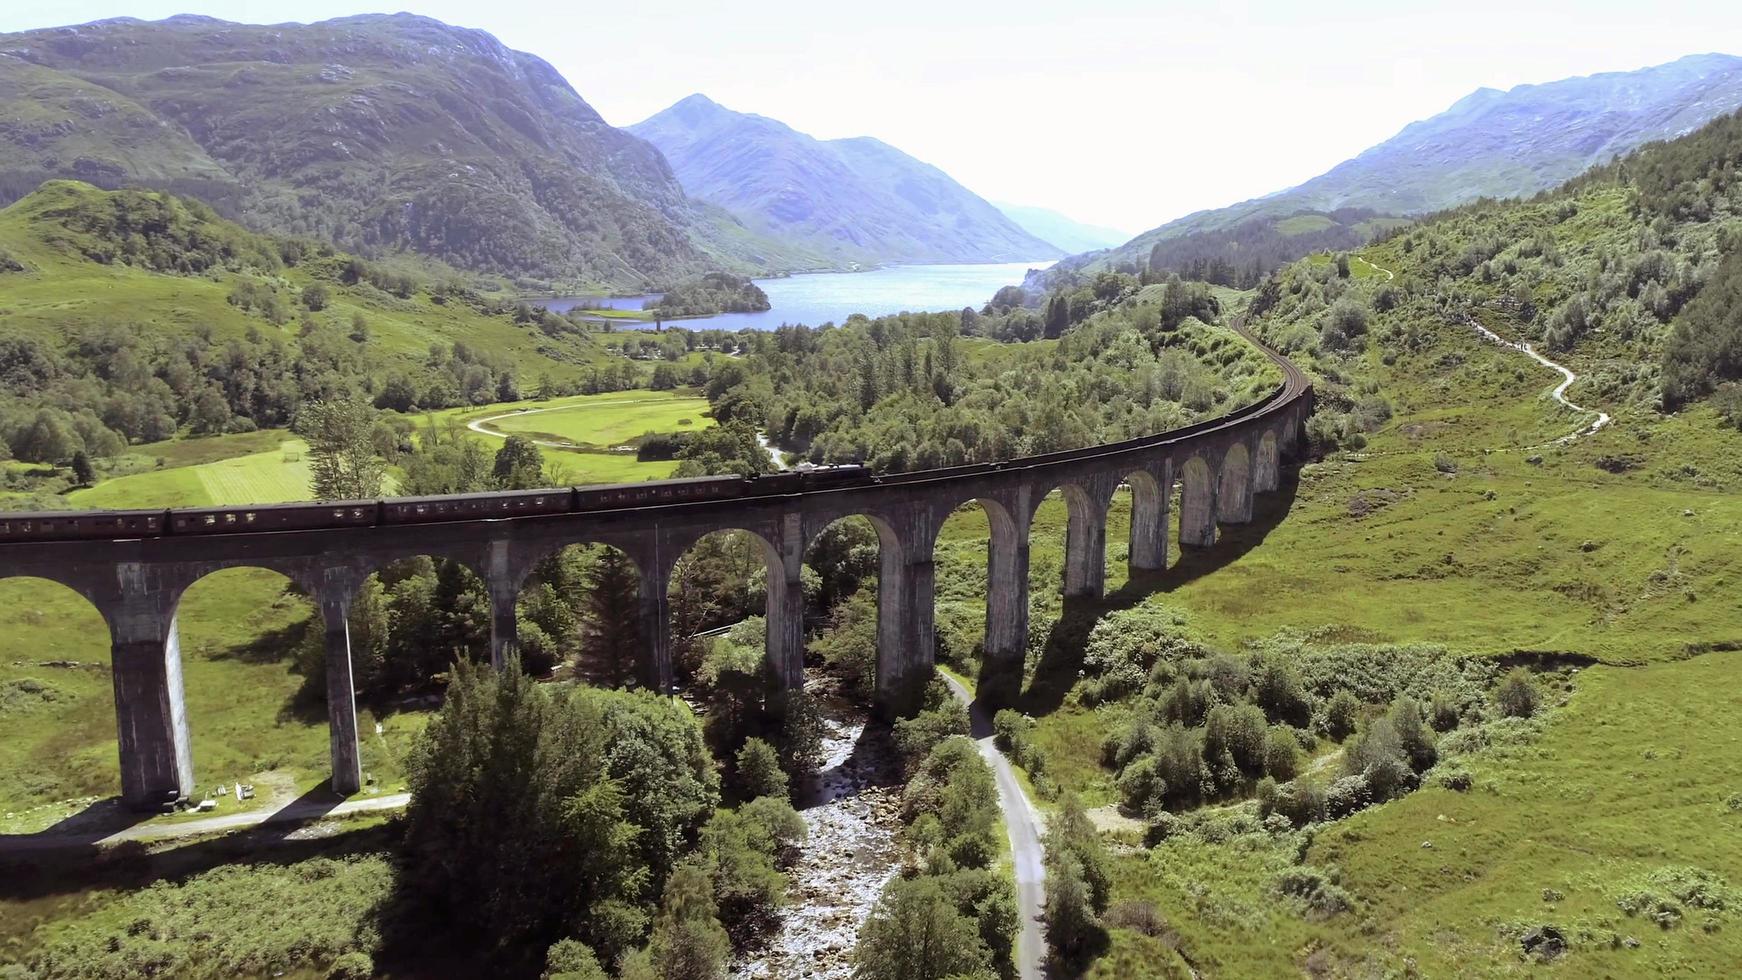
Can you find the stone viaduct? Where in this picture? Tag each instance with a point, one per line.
(137, 584)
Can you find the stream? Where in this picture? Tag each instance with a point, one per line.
(852, 808)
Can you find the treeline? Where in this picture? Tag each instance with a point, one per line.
(715, 292)
(913, 391)
(1243, 254)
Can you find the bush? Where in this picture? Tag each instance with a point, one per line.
(1320, 896)
(1412, 736)
(571, 959)
(1142, 789)
(918, 735)
(1517, 697)
(1443, 712)
(1235, 735)
(759, 772)
(1346, 796)
(1277, 689)
(1280, 748)
(355, 965)
(1340, 715)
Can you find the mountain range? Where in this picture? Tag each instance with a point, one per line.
(1491, 143)
(854, 200)
(379, 133)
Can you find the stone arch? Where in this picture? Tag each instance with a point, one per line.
(1149, 500)
(1197, 506)
(1234, 489)
(1266, 463)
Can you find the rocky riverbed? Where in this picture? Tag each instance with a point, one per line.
(852, 809)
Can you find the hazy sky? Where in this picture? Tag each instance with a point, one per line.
(1121, 113)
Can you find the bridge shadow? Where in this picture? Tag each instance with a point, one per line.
(1061, 659)
(94, 821)
(38, 866)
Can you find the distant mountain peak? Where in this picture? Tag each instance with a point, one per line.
(856, 199)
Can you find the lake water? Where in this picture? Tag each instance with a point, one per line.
(830, 297)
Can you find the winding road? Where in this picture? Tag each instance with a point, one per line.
(1600, 418)
(1560, 392)
(1024, 828)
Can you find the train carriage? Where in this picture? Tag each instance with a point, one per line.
(477, 506)
(82, 525)
(273, 517)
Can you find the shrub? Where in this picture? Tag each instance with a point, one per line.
(1237, 733)
(1347, 795)
(1341, 713)
(1142, 788)
(1319, 895)
(1443, 712)
(1277, 689)
(571, 959)
(1279, 753)
(759, 772)
(355, 965)
(1300, 802)
(1412, 735)
(1517, 697)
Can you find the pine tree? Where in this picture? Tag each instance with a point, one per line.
(610, 620)
(84, 474)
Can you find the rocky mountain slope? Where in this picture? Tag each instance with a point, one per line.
(1488, 144)
(378, 133)
(857, 200)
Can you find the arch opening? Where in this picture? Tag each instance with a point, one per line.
(578, 614)
(981, 579)
(720, 587)
(57, 701)
(850, 562)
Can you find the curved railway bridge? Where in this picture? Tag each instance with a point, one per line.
(135, 567)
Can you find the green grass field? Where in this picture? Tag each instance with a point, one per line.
(604, 422)
(271, 477)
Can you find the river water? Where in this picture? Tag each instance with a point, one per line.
(830, 297)
(852, 811)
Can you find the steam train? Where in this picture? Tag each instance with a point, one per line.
(119, 524)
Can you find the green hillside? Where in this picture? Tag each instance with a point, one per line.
(1458, 525)
(129, 316)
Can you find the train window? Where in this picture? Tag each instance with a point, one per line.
(249, 517)
(229, 518)
(211, 519)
